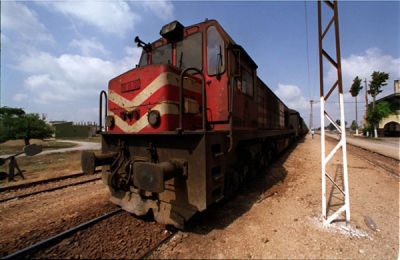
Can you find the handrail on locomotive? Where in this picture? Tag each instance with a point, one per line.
(204, 104)
(102, 93)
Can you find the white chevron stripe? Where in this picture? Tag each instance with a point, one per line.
(160, 81)
(163, 108)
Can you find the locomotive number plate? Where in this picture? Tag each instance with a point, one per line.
(130, 86)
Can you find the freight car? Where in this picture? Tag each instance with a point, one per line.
(186, 127)
(297, 123)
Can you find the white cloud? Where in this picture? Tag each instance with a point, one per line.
(291, 95)
(113, 17)
(89, 47)
(19, 19)
(4, 39)
(162, 9)
(20, 97)
(363, 66)
(84, 113)
(69, 78)
(133, 50)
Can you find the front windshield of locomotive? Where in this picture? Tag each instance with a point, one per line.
(159, 55)
(143, 59)
(188, 53)
(162, 54)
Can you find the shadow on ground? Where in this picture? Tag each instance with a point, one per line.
(221, 215)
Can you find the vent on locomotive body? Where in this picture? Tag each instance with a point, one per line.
(146, 99)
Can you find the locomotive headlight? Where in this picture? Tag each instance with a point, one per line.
(154, 118)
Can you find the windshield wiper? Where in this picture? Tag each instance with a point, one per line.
(180, 60)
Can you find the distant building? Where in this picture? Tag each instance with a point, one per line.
(390, 126)
(70, 130)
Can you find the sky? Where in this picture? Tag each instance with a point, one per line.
(56, 56)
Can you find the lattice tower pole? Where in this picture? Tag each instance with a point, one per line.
(342, 128)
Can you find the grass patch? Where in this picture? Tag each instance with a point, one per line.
(15, 146)
(40, 167)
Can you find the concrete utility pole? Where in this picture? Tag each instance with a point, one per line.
(366, 102)
(366, 96)
(311, 102)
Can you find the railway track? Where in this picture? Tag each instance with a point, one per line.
(54, 239)
(41, 246)
(24, 195)
(165, 240)
(31, 184)
(390, 171)
(387, 164)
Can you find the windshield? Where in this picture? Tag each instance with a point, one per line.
(143, 59)
(189, 52)
(162, 55)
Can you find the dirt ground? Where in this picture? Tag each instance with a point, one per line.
(285, 221)
(276, 215)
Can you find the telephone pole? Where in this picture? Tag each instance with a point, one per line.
(311, 121)
(366, 103)
(366, 96)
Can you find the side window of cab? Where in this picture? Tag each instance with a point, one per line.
(215, 52)
(247, 79)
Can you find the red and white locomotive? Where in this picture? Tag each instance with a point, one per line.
(188, 124)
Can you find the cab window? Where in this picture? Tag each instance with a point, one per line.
(247, 80)
(143, 59)
(215, 52)
(162, 55)
(189, 52)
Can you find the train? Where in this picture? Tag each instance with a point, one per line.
(188, 125)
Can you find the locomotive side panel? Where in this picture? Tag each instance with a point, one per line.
(273, 110)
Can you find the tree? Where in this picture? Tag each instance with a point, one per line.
(15, 124)
(377, 82)
(353, 125)
(8, 115)
(354, 90)
(338, 122)
(331, 127)
(381, 110)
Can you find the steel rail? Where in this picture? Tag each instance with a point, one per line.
(391, 172)
(162, 242)
(29, 184)
(48, 190)
(51, 240)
